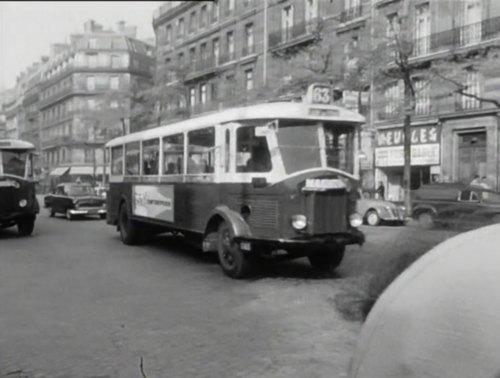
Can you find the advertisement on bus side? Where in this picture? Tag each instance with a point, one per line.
(154, 201)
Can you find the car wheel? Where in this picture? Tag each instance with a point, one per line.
(69, 216)
(26, 225)
(129, 231)
(326, 260)
(426, 220)
(372, 218)
(52, 213)
(231, 258)
(102, 216)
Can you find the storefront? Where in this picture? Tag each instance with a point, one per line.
(389, 158)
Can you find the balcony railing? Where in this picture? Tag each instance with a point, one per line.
(293, 32)
(248, 50)
(458, 37)
(227, 57)
(351, 13)
(206, 63)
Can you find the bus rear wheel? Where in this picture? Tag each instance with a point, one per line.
(26, 225)
(129, 231)
(326, 260)
(231, 258)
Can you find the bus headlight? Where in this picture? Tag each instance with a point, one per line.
(299, 221)
(355, 220)
(23, 203)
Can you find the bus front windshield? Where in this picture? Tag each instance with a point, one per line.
(14, 162)
(304, 145)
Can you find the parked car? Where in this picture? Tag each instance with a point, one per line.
(374, 211)
(455, 205)
(73, 199)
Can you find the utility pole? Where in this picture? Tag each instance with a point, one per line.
(264, 60)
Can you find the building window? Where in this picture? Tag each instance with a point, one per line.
(114, 82)
(230, 6)
(422, 97)
(472, 86)
(192, 55)
(471, 29)
(92, 60)
(203, 16)
(215, 11)
(249, 80)
(115, 61)
(91, 83)
(180, 59)
(311, 10)
(230, 45)
(113, 104)
(203, 93)
(249, 40)
(180, 28)
(104, 60)
(230, 86)
(92, 43)
(392, 25)
(422, 29)
(192, 97)
(91, 103)
(168, 35)
(393, 96)
(203, 52)
(192, 22)
(214, 92)
(216, 50)
(286, 23)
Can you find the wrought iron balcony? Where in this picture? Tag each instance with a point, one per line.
(462, 36)
(227, 57)
(248, 50)
(294, 32)
(351, 13)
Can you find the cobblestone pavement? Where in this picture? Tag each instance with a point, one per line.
(76, 302)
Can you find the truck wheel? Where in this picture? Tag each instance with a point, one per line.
(326, 260)
(372, 218)
(231, 258)
(26, 225)
(129, 231)
(426, 220)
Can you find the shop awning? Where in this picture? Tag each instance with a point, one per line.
(100, 170)
(59, 171)
(81, 170)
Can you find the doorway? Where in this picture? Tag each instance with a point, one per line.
(471, 155)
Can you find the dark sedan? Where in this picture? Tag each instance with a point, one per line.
(72, 199)
(455, 205)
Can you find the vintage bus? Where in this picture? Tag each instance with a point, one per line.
(268, 180)
(18, 203)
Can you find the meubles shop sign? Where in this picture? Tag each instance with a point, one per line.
(419, 135)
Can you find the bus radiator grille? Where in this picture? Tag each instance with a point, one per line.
(264, 214)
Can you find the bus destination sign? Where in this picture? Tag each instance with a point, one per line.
(320, 94)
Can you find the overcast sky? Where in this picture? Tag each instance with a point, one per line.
(27, 29)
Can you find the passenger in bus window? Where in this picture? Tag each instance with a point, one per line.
(171, 169)
(193, 167)
(260, 161)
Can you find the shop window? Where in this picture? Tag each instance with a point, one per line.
(201, 151)
(150, 156)
(173, 154)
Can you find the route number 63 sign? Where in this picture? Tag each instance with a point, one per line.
(320, 94)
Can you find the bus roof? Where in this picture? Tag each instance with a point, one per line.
(15, 144)
(274, 110)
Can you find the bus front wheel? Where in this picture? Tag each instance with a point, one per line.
(326, 260)
(231, 258)
(129, 231)
(25, 226)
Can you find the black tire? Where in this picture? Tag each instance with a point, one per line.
(426, 220)
(232, 260)
(102, 216)
(326, 261)
(129, 231)
(25, 226)
(372, 218)
(52, 213)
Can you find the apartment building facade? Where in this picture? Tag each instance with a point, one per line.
(454, 136)
(84, 97)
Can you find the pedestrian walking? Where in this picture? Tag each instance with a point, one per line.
(380, 190)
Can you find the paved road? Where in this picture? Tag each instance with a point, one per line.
(76, 302)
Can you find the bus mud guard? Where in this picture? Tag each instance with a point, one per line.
(239, 227)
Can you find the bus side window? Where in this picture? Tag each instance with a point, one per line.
(150, 156)
(117, 160)
(132, 158)
(201, 148)
(173, 154)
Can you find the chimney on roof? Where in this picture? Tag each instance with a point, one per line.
(120, 26)
(91, 27)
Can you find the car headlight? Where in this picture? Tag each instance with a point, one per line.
(23, 203)
(355, 220)
(299, 221)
